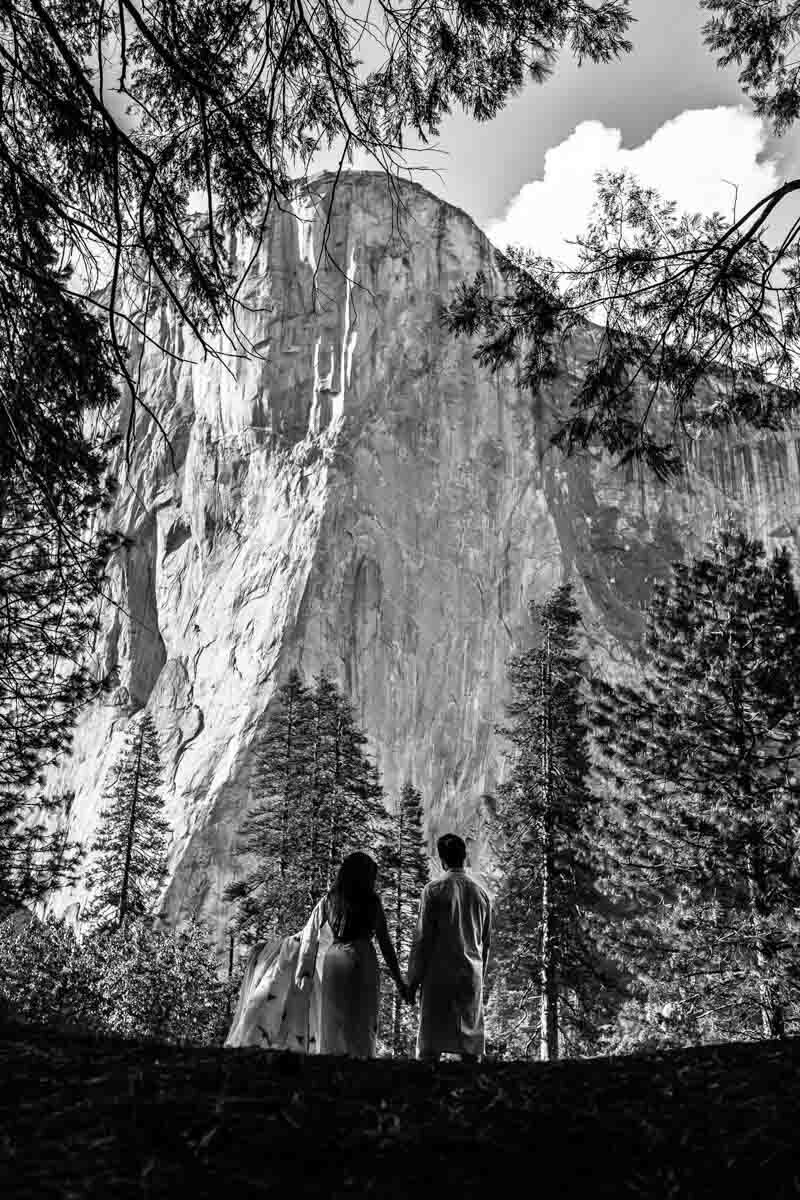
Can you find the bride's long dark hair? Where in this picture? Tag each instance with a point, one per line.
(352, 902)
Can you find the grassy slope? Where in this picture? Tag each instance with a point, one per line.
(97, 1117)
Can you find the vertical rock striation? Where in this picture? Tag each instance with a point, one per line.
(358, 495)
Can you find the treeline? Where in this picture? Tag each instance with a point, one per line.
(119, 969)
(646, 839)
(137, 981)
(648, 832)
(315, 796)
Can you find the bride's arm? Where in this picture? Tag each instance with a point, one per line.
(388, 950)
(309, 942)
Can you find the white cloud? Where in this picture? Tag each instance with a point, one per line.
(692, 159)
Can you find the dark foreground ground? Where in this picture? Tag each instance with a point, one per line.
(81, 1117)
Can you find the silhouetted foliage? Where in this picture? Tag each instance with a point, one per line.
(762, 39)
(36, 851)
(349, 807)
(114, 114)
(112, 117)
(699, 316)
(54, 376)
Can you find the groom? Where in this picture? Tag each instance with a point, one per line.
(448, 959)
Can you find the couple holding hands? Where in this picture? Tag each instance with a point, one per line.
(319, 991)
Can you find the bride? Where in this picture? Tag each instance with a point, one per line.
(318, 991)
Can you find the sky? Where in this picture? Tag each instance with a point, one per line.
(665, 112)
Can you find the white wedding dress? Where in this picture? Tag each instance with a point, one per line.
(272, 1011)
(337, 1014)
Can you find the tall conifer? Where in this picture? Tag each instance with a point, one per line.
(272, 895)
(704, 759)
(348, 806)
(548, 908)
(405, 871)
(318, 797)
(130, 845)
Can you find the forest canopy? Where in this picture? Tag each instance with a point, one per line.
(699, 322)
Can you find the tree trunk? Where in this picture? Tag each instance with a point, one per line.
(333, 845)
(773, 1021)
(397, 1028)
(332, 839)
(126, 873)
(772, 1015)
(548, 990)
(285, 810)
(398, 917)
(313, 890)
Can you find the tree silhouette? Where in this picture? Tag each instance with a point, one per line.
(352, 812)
(405, 871)
(130, 846)
(699, 317)
(273, 894)
(54, 378)
(115, 114)
(36, 851)
(548, 909)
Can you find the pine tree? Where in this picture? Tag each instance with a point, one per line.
(548, 908)
(37, 854)
(131, 841)
(55, 378)
(405, 871)
(704, 761)
(319, 797)
(272, 897)
(323, 764)
(348, 807)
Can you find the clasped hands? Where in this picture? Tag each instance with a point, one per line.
(407, 994)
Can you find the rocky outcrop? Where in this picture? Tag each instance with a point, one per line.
(356, 494)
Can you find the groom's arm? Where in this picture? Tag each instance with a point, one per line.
(419, 957)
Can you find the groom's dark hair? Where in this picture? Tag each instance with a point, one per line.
(452, 850)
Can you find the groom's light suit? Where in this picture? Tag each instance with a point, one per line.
(448, 961)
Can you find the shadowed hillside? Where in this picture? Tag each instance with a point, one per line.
(84, 1117)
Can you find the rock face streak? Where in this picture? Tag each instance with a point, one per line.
(358, 495)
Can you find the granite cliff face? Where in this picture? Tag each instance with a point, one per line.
(358, 495)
